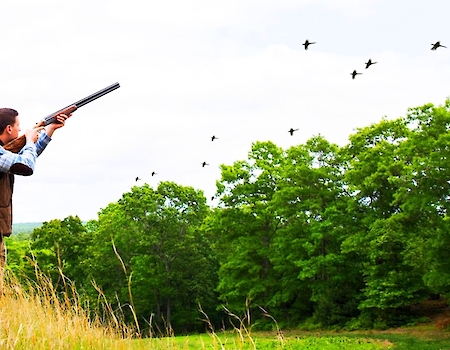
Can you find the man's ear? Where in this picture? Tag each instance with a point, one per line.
(8, 129)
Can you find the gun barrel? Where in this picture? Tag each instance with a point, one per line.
(96, 95)
(51, 117)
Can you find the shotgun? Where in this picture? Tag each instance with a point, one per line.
(17, 144)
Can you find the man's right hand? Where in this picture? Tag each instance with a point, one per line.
(33, 134)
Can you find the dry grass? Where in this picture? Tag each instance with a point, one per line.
(36, 318)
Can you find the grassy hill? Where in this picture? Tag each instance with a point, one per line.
(25, 227)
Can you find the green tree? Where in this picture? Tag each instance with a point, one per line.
(425, 193)
(18, 248)
(167, 257)
(246, 225)
(312, 200)
(384, 231)
(58, 247)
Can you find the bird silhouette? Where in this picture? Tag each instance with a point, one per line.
(436, 45)
(291, 131)
(369, 63)
(153, 173)
(307, 43)
(214, 138)
(137, 178)
(354, 73)
(204, 163)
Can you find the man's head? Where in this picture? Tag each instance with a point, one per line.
(9, 124)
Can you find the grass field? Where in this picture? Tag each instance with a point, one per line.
(264, 341)
(410, 338)
(34, 318)
(402, 339)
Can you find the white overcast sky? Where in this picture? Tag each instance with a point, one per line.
(190, 69)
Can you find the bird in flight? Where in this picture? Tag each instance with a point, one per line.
(214, 138)
(137, 178)
(291, 131)
(369, 63)
(354, 73)
(204, 163)
(436, 45)
(153, 173)
(307, 43)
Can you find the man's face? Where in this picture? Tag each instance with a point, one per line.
(15, 129)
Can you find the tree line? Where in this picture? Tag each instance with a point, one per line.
(318, 235)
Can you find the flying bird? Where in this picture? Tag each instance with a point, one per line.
(204, 163)
(153, 173)
(137, 178)
(214, 138)
(291, 131)
(307, 43)
(369, 63)
(354, 73)
(436, 45)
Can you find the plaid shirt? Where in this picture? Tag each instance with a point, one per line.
(26, 156)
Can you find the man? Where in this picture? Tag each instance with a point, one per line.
(22, 163)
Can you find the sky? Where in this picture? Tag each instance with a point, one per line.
(191, 69)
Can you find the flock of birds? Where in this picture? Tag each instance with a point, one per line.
(306, 44)
(291, 131)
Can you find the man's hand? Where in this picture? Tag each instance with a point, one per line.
(61, 119)
(33, 134)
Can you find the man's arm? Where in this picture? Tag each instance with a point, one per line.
(46, 136)
(42, 142)
(21, 163)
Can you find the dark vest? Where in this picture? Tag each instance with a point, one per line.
(6, 191)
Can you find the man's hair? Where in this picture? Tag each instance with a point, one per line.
(7, 117)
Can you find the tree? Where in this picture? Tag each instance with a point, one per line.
(311, 198)
(378, 162)
(18, 248)
(58, 247)
(426, 191)
(246, 225)
(166, 256)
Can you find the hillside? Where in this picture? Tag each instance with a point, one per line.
(25, 227)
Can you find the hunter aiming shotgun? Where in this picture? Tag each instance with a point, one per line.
(17, 144)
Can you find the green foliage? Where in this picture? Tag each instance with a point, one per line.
(168, 265)
(16, 256)
(317, 225)
(58, 248)
(246, 226)
(317, 234)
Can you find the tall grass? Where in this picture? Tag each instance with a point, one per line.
(34, 316)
